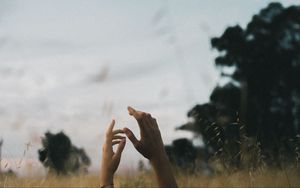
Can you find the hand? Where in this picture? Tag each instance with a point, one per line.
(150, 144)
(111, 160)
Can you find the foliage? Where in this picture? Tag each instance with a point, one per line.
(261, 103)
(60, 156)
(266, 59)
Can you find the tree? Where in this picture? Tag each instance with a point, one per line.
(266, 58)
(182, 153)
(264, 91)
(60, 156)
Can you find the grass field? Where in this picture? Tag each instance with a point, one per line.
(270, 178)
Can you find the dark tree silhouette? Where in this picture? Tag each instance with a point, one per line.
(215, 122)
(182, 153)
(262, 100)
(60, 156)
(266, 58)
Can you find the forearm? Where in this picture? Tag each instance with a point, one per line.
(163, 172)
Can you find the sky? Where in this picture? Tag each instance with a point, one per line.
(72, 65)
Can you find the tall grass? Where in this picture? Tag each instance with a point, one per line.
(261, 178)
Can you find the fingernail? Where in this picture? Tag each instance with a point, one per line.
(130, 109)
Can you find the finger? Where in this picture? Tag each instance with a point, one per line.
(135, 113)
(120, 149)
(111, 126)
(131, 110)
(139, 116)
(117, 131)
(108, 137)
(118, 137)
(131, 136)
(147, 124)
(154, 122)
(115, 142)
(149, 120)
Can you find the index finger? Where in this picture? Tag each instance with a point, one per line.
(139, 116)
(108, 136)
(111, 126)
(131, 111)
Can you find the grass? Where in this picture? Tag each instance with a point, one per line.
(268, 178)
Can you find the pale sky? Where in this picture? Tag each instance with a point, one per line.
(72, 65)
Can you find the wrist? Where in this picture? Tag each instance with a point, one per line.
(106, 179)
(107, 186)
(160, 159)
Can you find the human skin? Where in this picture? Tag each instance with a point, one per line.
(110, 159)
(151, 147)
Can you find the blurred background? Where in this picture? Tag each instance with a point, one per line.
(72, 65)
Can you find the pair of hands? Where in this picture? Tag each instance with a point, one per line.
(150, 144)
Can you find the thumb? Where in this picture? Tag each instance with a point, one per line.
(131, 136)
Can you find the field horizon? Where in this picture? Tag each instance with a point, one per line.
(242, 178)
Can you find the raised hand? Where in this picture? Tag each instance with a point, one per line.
(151, 146)
(110, 159)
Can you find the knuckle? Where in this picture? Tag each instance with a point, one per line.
(139, 117)
(143, 114)
(137, 145)
(154, 120)
(129, 134)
